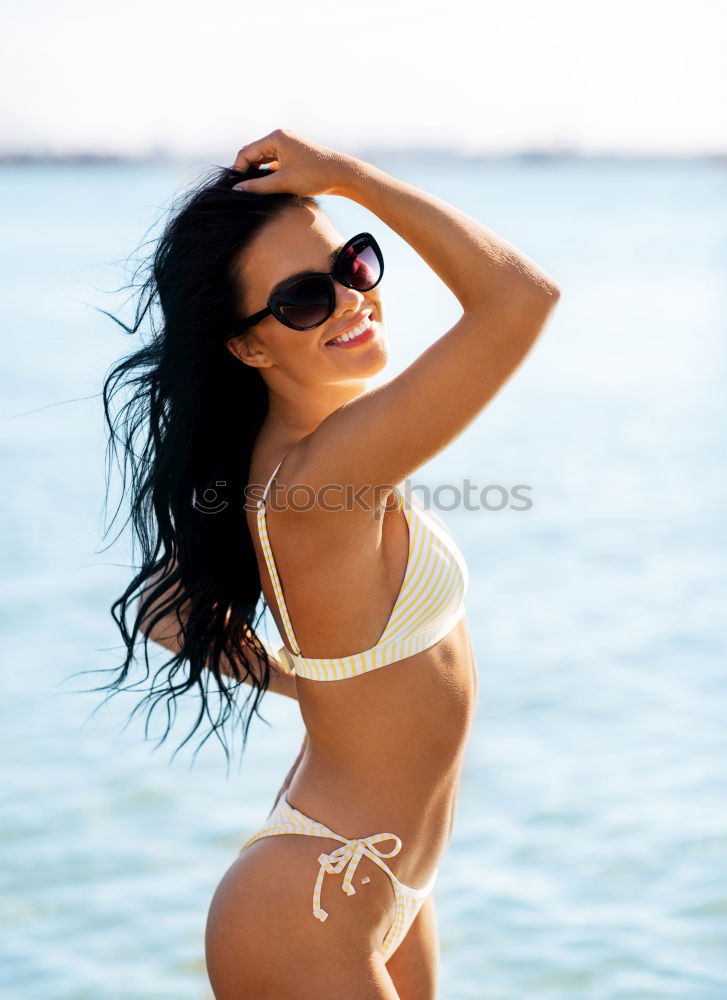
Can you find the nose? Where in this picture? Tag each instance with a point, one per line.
(347, 299)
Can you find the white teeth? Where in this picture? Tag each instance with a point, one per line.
(364, 325)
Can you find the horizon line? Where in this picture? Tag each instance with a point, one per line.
(161, 155)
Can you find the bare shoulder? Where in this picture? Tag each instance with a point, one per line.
(318, 495)
(310, 508)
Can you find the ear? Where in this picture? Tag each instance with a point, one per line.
(245, 349)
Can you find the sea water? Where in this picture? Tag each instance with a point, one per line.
(588, 858)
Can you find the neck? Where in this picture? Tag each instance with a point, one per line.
(289, 420)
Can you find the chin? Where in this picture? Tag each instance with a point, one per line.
(367, 359)
(377, 356)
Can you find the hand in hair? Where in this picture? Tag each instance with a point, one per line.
(296, 166)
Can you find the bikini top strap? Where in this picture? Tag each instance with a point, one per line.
(273, 475)
(270, 561)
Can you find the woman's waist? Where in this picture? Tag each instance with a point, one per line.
(418, 751)
(392, 738)
(362, 802)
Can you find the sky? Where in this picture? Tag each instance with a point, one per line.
(479, 76)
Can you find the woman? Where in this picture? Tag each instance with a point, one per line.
(257, 385)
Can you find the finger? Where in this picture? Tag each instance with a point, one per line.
(271, 167)
(261, 151)
(263, 185)
(243, 163)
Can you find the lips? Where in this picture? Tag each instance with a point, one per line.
(351, 326)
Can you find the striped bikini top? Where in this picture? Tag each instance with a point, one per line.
(429, 604)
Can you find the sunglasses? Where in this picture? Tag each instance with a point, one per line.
(305, 301)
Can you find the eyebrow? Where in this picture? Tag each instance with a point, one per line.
(300, 274)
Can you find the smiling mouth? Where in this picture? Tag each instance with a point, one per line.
(355, 333)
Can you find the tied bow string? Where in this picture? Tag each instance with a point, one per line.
(348, 856)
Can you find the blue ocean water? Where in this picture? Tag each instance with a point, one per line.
(589, 857)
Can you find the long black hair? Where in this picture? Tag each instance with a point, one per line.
(186, 425)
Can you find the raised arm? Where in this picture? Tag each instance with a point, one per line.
(387, 433)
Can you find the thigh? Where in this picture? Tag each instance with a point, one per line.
(414, 966)
(263, 942)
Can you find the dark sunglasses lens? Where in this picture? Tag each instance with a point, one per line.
(359, 266)
(306, 303)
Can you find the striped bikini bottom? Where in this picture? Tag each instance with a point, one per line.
(284, 818)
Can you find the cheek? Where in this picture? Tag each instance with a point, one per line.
(376, 303)
(294, 348)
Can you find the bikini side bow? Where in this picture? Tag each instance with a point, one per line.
(348, 856)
